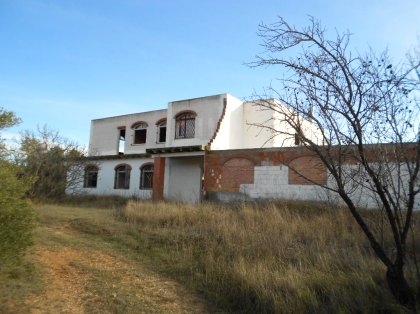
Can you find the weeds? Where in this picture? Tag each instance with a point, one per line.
(279, 257)
(283, 257)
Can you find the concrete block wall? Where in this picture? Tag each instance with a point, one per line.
(233, 175)
(253, 174)
(273, 182)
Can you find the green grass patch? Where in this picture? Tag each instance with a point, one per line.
(18, 283)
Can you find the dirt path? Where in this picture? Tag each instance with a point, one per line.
(94, 281)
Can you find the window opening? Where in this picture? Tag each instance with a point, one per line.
(146, 178)
(122, 177)
(140, 132)
(161, 132)
(121, 141)
(185, 126)
(91, 177)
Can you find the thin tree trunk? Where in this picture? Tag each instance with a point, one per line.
(400, 288)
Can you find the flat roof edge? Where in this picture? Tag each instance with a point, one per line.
(196, 98)
(129, 114)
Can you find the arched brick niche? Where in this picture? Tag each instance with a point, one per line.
(307, 167)
(237, 171)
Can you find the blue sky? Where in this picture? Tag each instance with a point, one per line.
(63, 63)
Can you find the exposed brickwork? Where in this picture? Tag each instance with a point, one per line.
(158, 178)
(136, 124)
(212, 172)
(185, 112)
(160, 121)
(146, 164)
(123, 165)
(307, 167)
(235, 172)
(219, 122)
(227, 170)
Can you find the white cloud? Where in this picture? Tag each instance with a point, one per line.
(10, 137)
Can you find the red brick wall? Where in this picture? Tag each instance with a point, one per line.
(237, 171)
(227, 170)
(310, 167)
(158, 178)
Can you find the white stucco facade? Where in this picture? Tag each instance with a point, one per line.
(230, 134)
(221, 122)
(208, 111)
(106, 179)
(104, 133)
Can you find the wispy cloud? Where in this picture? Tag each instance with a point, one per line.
(11, 140)
(10, 136)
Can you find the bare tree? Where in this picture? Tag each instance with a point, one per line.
(55, 163)
(366, 114)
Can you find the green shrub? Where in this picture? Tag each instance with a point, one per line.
(16, 217)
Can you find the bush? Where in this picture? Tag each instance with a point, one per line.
(17, 220)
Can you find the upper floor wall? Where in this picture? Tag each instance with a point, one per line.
(221, 122)
(128, 134)
(202, 116)
(249, 125)
(185, 123)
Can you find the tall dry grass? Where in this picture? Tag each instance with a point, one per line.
(286, 257)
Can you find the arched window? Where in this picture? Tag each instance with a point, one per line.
(161, 131)
(122, 177)
(185, 124)
(140, 132)
(91, 176)
(146, 177)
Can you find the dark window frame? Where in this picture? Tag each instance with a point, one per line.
(122, 177)
(146, 177)
(159, 128)
(90, 179)
(140, 133)
(185, 125)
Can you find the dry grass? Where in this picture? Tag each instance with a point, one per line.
(81, 263)
(285, 257)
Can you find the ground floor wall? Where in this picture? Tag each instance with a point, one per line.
(177, 178)
(229, 175)
(106, 179)
(183, 178)
(284, 173)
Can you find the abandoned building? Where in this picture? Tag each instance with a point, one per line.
(202, 148)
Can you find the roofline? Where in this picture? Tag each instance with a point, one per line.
(129, 114)
(182, 100)
(175, 101)
(255, 101)
(122, 156)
